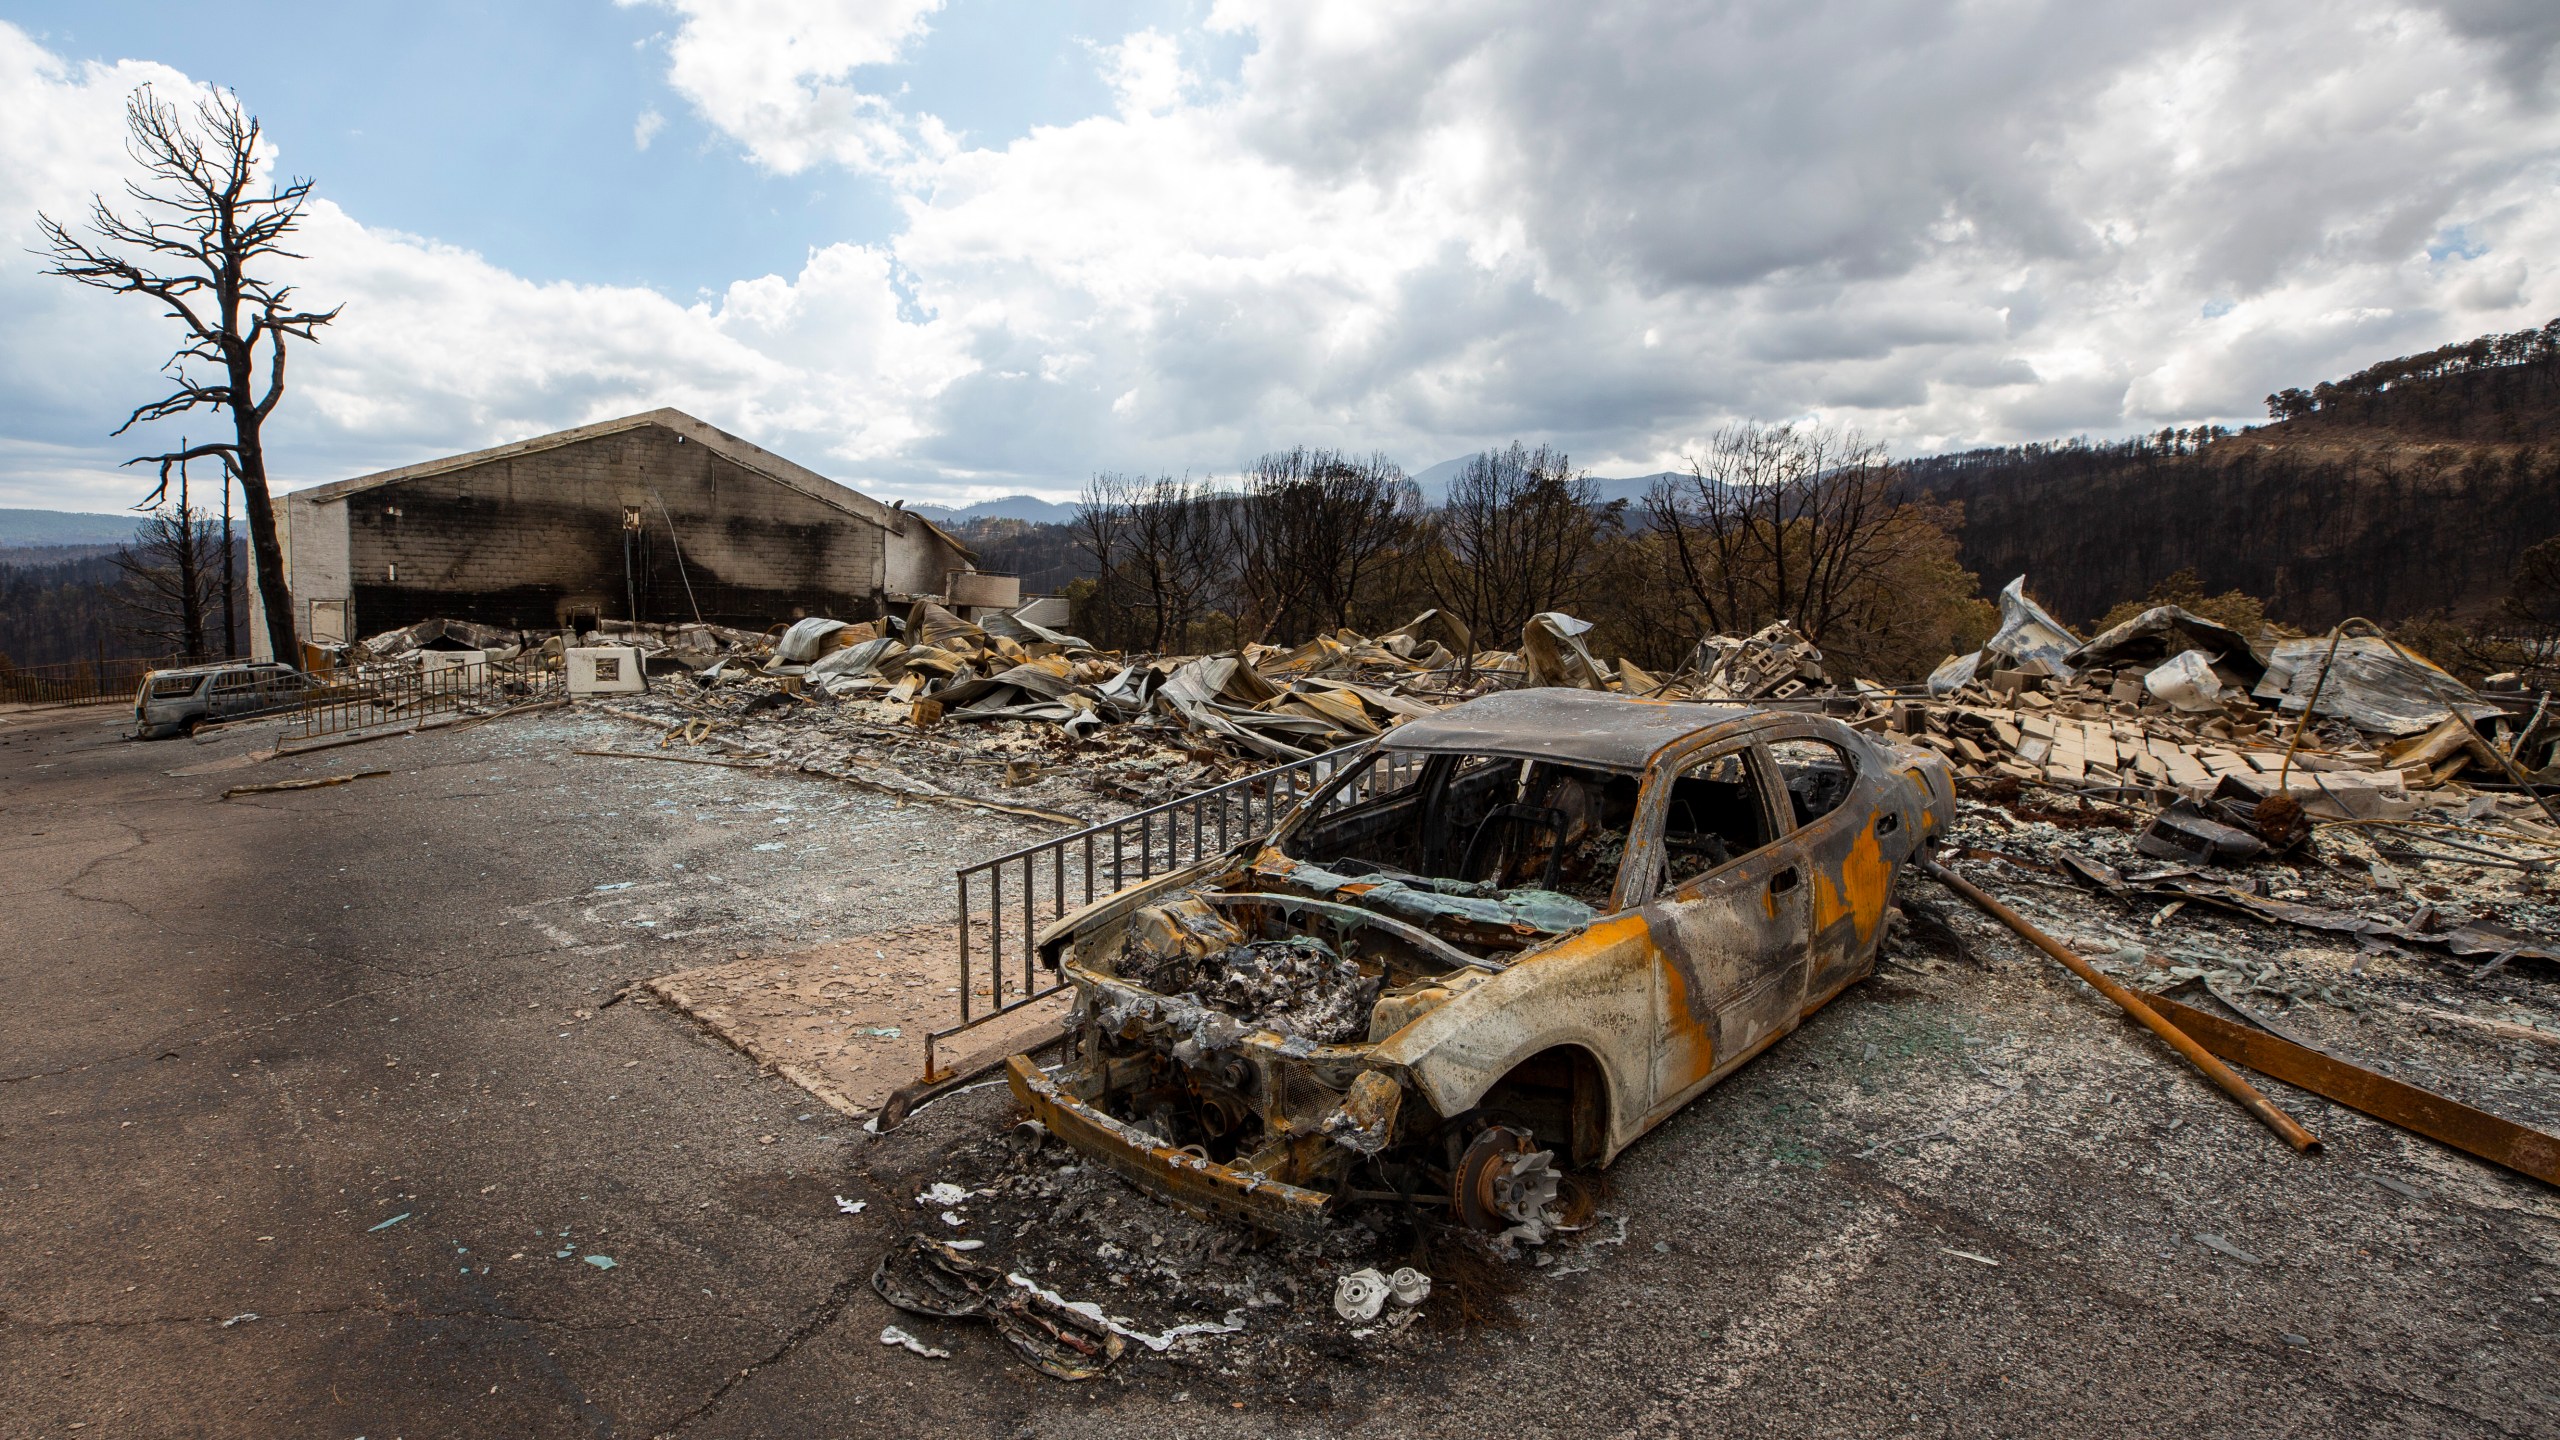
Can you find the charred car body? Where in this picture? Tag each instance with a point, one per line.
(1498, 941)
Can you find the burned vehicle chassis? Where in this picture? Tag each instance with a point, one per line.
(1445, 983)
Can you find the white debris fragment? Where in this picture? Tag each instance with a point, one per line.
(1360, 1295)
(954, 1219)
(1409, 1286)
(850, 1207)
(2222, 1246)
(941, 1193)
(1158, 1343)
(892, 1335)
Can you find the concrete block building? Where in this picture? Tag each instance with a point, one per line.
(655, 517)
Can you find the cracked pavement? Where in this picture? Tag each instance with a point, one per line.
(315, 1120)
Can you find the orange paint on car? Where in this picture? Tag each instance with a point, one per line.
(1866, 880)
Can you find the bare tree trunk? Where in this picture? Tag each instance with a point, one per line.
(230, 593)
(190, 563)
(205, 220)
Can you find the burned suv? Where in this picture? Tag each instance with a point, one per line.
(1531, 926)
(175, 702)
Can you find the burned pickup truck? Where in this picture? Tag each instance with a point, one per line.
(1497, 942)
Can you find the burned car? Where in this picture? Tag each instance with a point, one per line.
(1496, 943)
(176, 701)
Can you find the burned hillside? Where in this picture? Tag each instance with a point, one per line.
(2411, 486)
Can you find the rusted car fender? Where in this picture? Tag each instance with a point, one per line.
(1592, 991)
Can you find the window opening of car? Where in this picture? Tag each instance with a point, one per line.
(1713, 817)
(230, 680)
(1370, 822)
(1817, 774)
(171, 687)
(1479, 825)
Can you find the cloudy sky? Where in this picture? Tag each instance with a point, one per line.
(950, 249)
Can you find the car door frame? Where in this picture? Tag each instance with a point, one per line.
(1731, 944)
(1851, 851)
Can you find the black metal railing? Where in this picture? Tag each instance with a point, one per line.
(350, 700)
(82, 682)
(1005, 901)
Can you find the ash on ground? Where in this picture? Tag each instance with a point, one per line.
(1039, 1209)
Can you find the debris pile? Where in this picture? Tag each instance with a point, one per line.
(2344, 727)
(1075, 1271)
(2337, 952)
(2325, 825)
(1003, 711)
(1774, 663)
(1006, 713)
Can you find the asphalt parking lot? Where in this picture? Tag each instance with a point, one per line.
(324, 1115)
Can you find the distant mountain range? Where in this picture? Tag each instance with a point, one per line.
(1434, 483)
(1630, 488)
(21, 528)
(1006, 507)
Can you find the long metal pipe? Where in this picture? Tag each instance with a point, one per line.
(2133, 1005)
(2476, 1132)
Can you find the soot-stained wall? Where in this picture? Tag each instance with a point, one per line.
(536, 539)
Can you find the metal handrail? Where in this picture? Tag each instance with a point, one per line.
(353, 700)
(1099, 860)
(87, 682)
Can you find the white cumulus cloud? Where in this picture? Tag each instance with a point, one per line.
(778, 76)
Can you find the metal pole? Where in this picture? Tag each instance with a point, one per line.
(2133, 1005)
(1030, 921)
(230, 635)
(963, 878)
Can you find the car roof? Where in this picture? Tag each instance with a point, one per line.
(219, 666)
(1579, 727)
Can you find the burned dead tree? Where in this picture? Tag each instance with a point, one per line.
(1813, 526)
(1161, 550)
(167, 585)
(206, 228)
(1314, 529)
(1518, 535)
